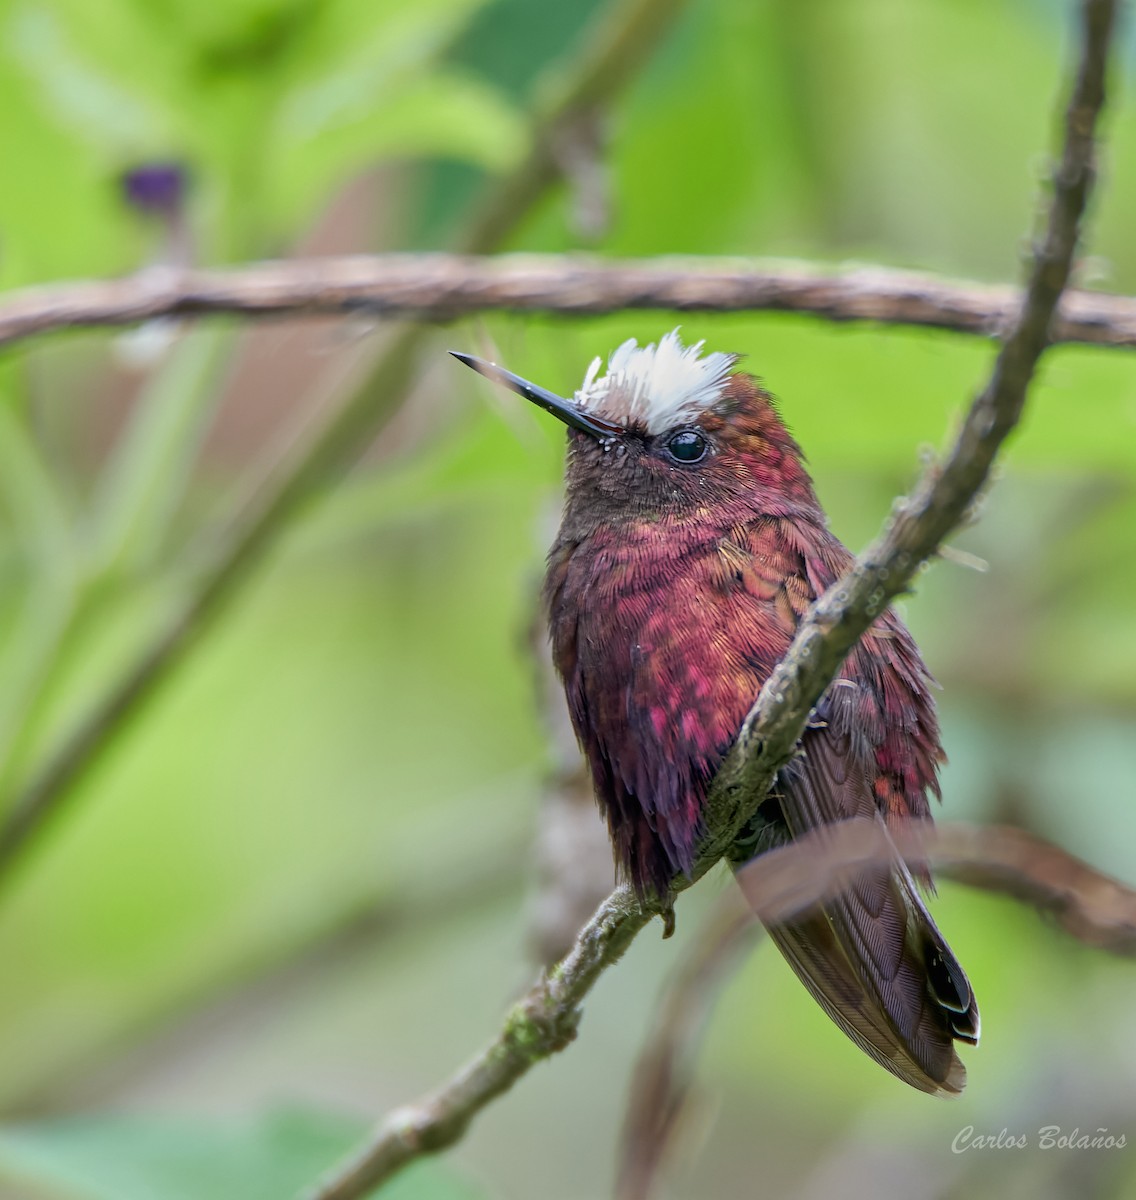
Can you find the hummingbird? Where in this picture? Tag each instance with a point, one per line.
(691, 545)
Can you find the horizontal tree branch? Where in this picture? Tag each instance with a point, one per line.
(547, 1018)
(444, 286)
(1087, 904)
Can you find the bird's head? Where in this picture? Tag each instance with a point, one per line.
(668, 431)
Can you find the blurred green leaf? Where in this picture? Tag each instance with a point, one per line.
(269, 103)
(87, 100)
(323, 133)
(134, 1157)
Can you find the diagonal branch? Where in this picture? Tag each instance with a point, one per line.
(443, 286)
(546, 1019)
(920, 522)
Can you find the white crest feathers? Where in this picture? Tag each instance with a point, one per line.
(657, 387)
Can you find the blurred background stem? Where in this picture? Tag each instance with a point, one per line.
(140, 491)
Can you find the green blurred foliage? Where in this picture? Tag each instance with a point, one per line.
(187, 950)
(137, 1159)
(270, 104)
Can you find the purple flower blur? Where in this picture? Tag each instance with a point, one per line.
(155, 188)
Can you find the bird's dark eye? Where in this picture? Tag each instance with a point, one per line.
(687, 446)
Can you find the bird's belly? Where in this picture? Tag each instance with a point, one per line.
(668, 660)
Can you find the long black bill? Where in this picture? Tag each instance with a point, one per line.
(565, 410)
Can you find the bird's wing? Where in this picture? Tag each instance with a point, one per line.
(872, 957)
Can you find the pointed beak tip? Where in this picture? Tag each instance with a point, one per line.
(484, 369)
(564, 410)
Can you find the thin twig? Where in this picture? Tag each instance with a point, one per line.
(546, 1020)
(1087, 905)
(439, 287)
(619, 46)
(664, 1071)
(613, 53)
